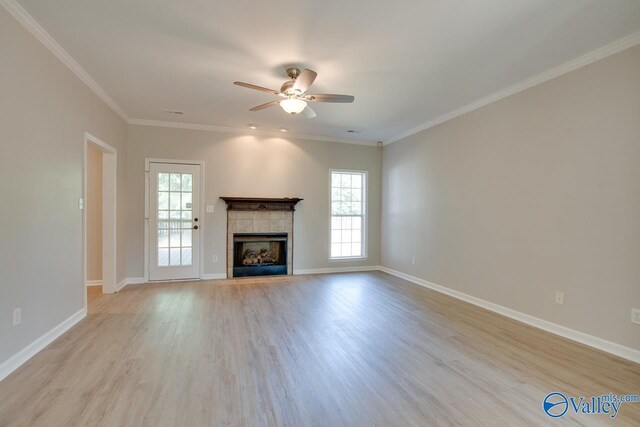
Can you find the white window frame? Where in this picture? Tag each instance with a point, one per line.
(365, 214)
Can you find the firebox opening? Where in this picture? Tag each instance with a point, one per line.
(261, 254)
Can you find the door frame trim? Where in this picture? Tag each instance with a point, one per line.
(147, 201)
(109, 214)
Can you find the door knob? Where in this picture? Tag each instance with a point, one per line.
(195, 227)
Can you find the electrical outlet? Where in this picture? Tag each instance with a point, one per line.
(413, 260)
(559, 298)
(209, 208)
(635, 315)
(80, 203)
(17, 316)
(214, 258)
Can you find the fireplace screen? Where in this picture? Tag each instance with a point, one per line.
(259, 254)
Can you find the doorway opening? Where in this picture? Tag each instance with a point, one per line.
(99, 223)
(93, 212)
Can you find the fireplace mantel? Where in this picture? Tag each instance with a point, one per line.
(260, 203)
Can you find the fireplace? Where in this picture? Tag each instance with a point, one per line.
(259, 236)
(259, 254)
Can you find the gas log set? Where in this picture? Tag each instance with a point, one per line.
(261, 257)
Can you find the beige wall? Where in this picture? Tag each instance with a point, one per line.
(94, 213)
(535, 193)
(233, 166)
(44, 112)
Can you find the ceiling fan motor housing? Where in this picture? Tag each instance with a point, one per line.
(293, 73)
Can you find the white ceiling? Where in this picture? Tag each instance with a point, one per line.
(406, 62)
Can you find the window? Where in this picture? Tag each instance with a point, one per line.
(348, 214)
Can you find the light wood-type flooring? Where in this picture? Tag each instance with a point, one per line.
(356, 349)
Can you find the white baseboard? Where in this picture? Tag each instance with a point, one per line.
(130, 281)
(337, 270)
(213, 276)
(142, 280)
(218, 276)
(18, 359)
(121, 285)
(581, 337)
(94, 283)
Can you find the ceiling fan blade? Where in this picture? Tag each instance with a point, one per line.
(254, 87)
(304, 80)
(263, 106)
(309, 113)
(330, 98)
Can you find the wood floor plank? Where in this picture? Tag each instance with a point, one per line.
(320, 350)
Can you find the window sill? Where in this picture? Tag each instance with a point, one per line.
(351, 258)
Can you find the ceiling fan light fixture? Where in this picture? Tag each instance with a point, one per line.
(293, 105)
(293, 96)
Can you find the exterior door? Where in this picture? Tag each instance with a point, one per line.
(174, 223)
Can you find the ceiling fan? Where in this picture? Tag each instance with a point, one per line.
(294, 94)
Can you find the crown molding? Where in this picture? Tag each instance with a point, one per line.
(23, 17)
(581, 61)
(243, 131)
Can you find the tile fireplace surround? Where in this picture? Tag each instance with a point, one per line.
(249, 215)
